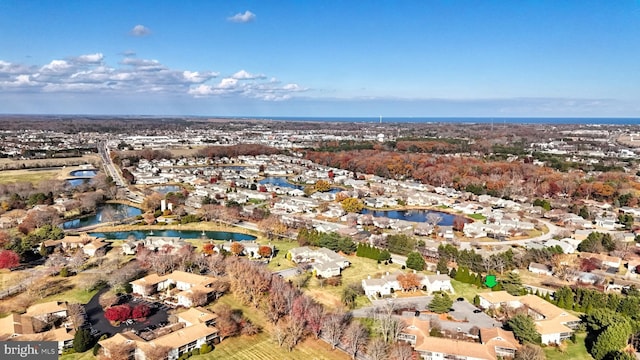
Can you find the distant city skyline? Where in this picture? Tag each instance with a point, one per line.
(321, 58)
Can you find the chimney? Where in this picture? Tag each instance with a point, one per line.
(414, 271)
(437, 272)
(369, 277)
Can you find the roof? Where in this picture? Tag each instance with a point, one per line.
(185, 336)
(46, 308)
(455, 347)
(197, 315)
(498, 337)
(497, 297)
(60, 334)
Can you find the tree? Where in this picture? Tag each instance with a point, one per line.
(512, 284)
(441, 303)
(530, 351)
(107, 299)
(401, 351)
(140, 311)
(352, 205)
(458, 223)
(377, 349)
(322, 186)
(208, 248)
(237, 248)
(333, 327)
(442, 266)
(264, 251)
(415, 261)
(355, 338)
(157, 351)
(82, 340)
(409, 281)
(524, 329)
(9, 259)
(118, 313)
(611, 340)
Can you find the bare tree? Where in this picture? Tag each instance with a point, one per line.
(333, 327)
(76, 314)
(355, 338)
(378, 349)
(158, 352)
(402, 351)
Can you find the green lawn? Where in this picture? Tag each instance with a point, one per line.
(87, 355)
(467, 291)
(279, 262)
(577, 351)
(477, 217)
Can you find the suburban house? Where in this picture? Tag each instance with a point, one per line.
(195, 327)
(23, 327)
(606, 260)
(249, 248)
(179, 285)
(540, 269)
(495, 343)
(552, 323)
(324, 262)
(389, 283)
(154, 243)
(89, 245)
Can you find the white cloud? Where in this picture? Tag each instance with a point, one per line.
(90, 58)
(56, 66)
(90, 74)
(248, 16)
(140, 30)
(244, 75)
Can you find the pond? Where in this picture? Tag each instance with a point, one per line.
(77, 182)
(412, 215)
(185, 234)
(106, 213)
(165, 189)
(84, 173)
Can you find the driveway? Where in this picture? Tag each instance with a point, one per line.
(461, 310)
(97, 321)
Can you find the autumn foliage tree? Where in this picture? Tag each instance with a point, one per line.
(208, 248)
(409, 281)
(352, 205)
(118, 313)
(237, 248)
(9, 259)
(264, 251)
(140, 311)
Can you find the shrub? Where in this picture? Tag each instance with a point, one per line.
(205, 349)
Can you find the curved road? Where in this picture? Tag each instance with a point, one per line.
(553, 230)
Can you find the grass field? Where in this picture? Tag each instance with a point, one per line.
(13, 176)
(467, 291)
(577, 351)
(87, 355)
(477, 217)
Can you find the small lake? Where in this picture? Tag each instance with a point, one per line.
(77, 182)
(412, 215)
(110, 211)
(84, 173)
(185, 234)
(165, 189)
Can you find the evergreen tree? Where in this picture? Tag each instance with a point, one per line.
(441, 303)
(524, 329)
(82, 340)
(415, 261)
(442, 266)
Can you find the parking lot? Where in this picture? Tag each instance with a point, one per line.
(99, 325)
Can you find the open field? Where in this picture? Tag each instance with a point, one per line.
(87, 355)
(34, 177)
(467, 291)
(43, 163)
(52, 169)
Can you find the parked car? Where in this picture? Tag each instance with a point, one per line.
(477, 311)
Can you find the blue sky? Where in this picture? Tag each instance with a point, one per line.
(321, 58)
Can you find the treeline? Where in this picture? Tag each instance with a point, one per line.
(498, 178)
(332, 241)
(236, 150)
(372, 252)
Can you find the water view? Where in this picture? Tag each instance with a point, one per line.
(185, 234)
(412, 215)
(77, 182)
(84, 173)
(106, 213)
